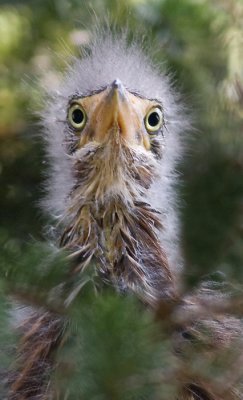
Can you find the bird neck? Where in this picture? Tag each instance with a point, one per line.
(109, 221)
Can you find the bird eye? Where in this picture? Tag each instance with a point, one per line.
(153, 120)
(77, 116)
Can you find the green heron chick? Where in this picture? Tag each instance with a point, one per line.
(113, 138)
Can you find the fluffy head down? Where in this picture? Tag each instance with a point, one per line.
(114, 197)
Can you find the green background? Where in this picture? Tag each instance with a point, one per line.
(201, 43)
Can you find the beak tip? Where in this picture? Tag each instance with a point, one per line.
(116, 84)
(117, 88)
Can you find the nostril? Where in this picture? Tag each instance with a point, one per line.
(187, 335)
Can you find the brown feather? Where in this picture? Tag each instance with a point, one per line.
(41, 334)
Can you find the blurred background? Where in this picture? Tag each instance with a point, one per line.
(201, 42)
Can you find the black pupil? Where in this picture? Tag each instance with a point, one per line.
(78, 116)
(154, 119)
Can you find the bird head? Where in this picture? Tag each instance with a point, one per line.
(114, 113)
(113, 140)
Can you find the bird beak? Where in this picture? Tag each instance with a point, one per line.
(115, 115)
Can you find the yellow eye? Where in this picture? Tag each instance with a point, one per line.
(153, 120)
(77, 116)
